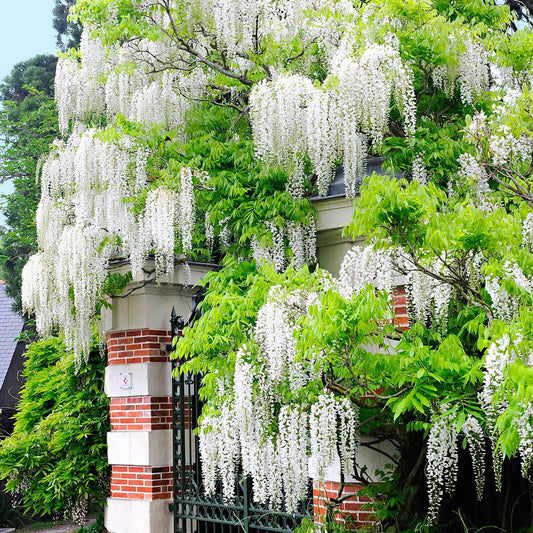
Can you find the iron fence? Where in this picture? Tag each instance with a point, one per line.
(194, 512)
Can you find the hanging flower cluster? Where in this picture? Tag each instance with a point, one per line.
(277, 463)
(38, 293)
(301, 239)
(507, 305)
(292, 446)
(324, 140)
(242, 25)
(442, 457)
(333, 420)
(219, 449)
(292, 118)
(362, 266)
(502, 148)
(507, 149)
(367, 84)
(120, 80)
(471, 73)
(419, 170)
(163, 100)
(79, 92)
(475, 437)
(84, 218)
(499, 355)
(527, 232)
(279, 122)
(77, 510)
(524, 425)
(494, 401)
(429, 298)
(159, 224)
(81, 218)
(475, 173)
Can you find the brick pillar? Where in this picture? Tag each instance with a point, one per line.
(399, 301)
(355, 511)
(139, 384)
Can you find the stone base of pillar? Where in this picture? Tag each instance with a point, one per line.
(138, 516)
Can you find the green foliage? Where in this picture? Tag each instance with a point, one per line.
(229, 310)
(57, 455)
(243, 193)
(68, 32)
(37, 73)
(96, 527)
(328, 526)
(422, 219)
(240, 194)
(11, 516)
(28, 124)
(400, 380)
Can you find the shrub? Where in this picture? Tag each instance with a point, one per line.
(56, 461)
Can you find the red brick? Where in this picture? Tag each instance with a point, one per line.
(136, 399)
(147, 338)
(161, 426)
(349, 505)
(355, 507)
(144, 352)
(143, 420)
(135, 346)
(119, 401)
(116, 335)
(143, 489)
(399, 298)
(129, 476)
(163, 496)
(146, 332)
(157, 483)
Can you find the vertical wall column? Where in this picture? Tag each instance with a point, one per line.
(399, 299)
(139, 384)
(356, 510)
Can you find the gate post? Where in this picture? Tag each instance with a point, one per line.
(138, 382)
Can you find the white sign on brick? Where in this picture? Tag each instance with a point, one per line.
(125, 381)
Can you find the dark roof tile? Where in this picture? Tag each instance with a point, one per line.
(10, 327)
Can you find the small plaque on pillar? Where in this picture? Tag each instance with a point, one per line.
(125, 381)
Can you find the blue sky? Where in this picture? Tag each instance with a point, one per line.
(25, 31)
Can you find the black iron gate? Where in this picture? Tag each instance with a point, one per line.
(194, 512)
